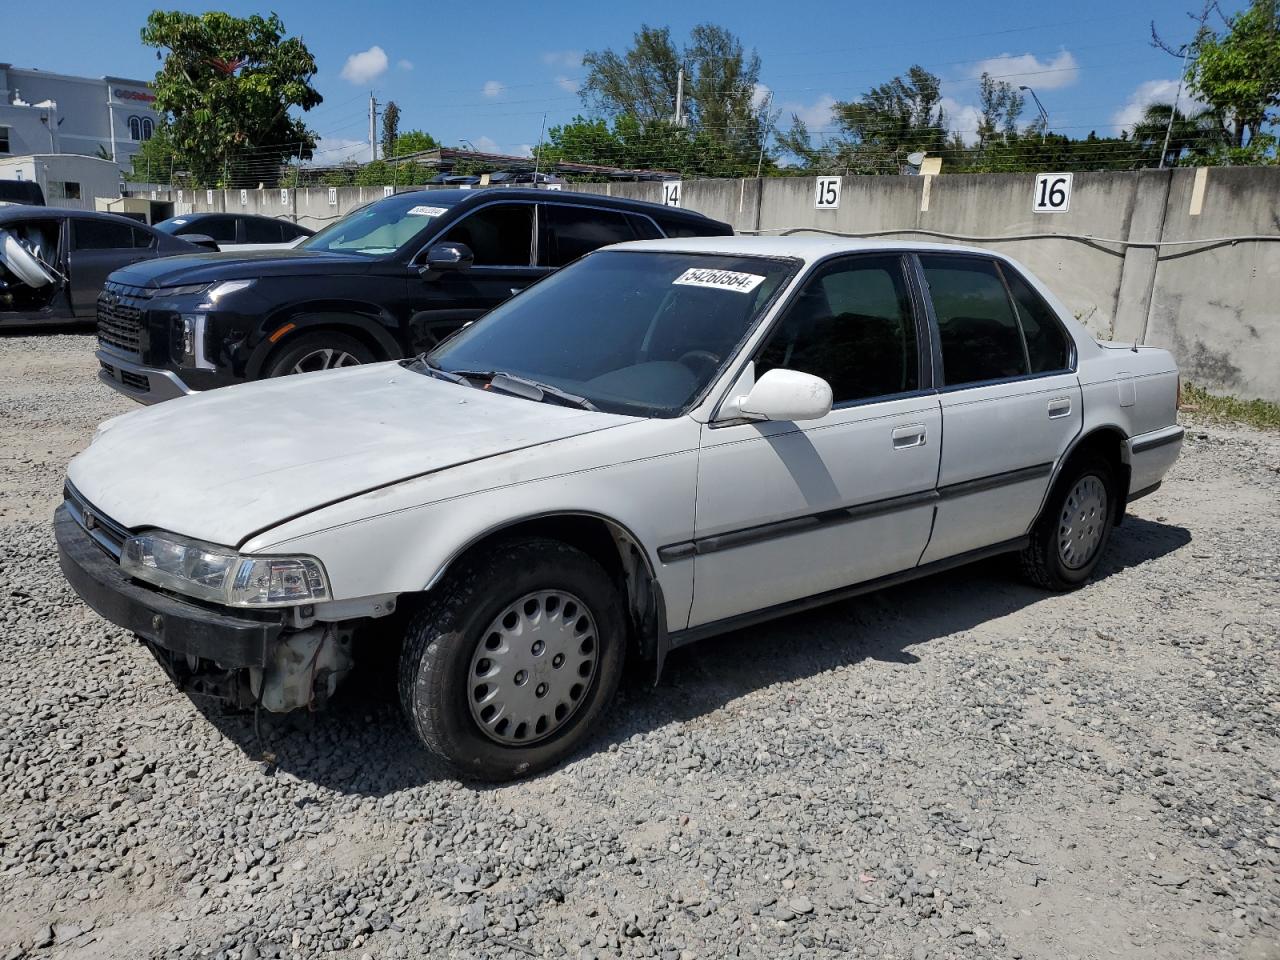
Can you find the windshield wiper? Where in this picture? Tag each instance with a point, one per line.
(433, 369)
(536, 390)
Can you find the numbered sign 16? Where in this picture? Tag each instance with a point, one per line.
(671, 190)
(1052, 194)
(828, 196)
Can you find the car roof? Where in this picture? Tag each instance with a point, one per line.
(475, 197)
(26, 212)
(807, 248)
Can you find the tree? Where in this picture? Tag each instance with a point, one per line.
(225, 90)
(390, 127)
(1000, 106)
(413, 141)
(1196, 138)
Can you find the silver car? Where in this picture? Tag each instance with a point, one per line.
(663, 441)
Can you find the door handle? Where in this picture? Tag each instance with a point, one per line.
(908, 436)
(1059, 408)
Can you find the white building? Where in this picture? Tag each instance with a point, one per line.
(67, 179)
(52, 113)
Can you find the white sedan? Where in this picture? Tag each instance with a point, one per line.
(664, 441)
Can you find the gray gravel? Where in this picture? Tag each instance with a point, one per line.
(964, 767)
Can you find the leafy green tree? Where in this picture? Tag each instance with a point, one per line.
(413, 141)
(1000, 106)
(390, 127)
(1194, 138)
(1237, 72)
(225, 90)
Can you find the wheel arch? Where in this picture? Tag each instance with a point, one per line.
(280, 331)
(1108, 441)
(607, 541)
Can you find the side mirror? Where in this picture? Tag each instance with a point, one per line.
(442, 257)
(200, 240)
(787, 395)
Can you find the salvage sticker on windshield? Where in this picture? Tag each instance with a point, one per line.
(719, 279)
(421, 211)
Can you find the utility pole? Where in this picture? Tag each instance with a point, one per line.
(1173, 111)
(373, 127)
(680, 98)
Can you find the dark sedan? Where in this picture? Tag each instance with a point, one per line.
(53, 262)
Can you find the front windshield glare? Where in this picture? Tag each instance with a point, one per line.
(632, 332)
(380, 228)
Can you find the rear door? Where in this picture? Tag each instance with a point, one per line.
(568, 232)
(97, 248)
(1010, 401)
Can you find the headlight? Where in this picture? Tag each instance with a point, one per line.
(186, 345)
(227, 287)
(213, 573)
(187, 290)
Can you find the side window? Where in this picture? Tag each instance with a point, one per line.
(1047, 345)
(500, 235)
(853, 326)
(976, 323)
(261, 231)
(645, 228)
(221, 229)
(102, 235)
(571, 232)
(142, 240)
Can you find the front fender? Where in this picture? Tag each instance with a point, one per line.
(282, 326)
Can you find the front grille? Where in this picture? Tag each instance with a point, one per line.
(108, 534)
(135, 381)
(119, 323)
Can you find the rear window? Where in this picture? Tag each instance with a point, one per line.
(262, 231)
(107, 235)
(21, 191)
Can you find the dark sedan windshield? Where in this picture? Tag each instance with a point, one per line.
(380, 228)
(629, 331)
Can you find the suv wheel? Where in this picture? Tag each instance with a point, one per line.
(318, 351)
(514, 658)
(1070, 535)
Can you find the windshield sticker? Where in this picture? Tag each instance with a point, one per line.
(423, 211)
(178, 221)
(719, 279)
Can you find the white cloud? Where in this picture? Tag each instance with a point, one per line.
(364, 66)
(1152, 91)
(334, 150)
(568, 59)
(486, 145)
(1060, 71)
(815, 115)
(962, 118)
(525, 150)
(493, 88)
(567, 84)
(405, 64)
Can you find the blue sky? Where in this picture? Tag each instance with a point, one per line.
(487, 72)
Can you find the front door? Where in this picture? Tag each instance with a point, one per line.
(501, 237)
(97, 248)
(792, 510)
(1010, 401)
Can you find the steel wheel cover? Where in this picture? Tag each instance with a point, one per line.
(533, 667)
(324, 359)
(1083, 520)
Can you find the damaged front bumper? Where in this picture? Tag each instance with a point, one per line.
(246, 660)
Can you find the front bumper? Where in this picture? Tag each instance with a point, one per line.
(164, 621)
(144, 384)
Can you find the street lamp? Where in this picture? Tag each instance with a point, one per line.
(1040, 106)
(469, 145)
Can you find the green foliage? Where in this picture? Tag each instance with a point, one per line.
(390, 127)
(1199, 402)
(413, 141)
(1237, 72)
(155, 161)
(225, 88)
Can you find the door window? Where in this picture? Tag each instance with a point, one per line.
(103, 235)
(853, 326)
(571, 232)
(1047, 346)
(500, 235)
(261, 231)
(977, 325)
(221, 229)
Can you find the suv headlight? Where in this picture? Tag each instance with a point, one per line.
(209, 572)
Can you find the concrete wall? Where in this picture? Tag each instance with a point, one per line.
(1142, 255)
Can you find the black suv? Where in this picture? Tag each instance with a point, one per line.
(391, 280)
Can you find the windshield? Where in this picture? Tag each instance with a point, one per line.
(628, 331)
(380, 228)
(171, 225)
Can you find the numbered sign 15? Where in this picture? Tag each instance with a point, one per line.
(671, 190)
(828, 196)
(1052, 193)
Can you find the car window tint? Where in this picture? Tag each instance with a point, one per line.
(499, 236)
(1047, 346)
(261, 231)
(102, 235)
(572, 232)
(142, 239)
(852, 325)
(976, 323)
(221, 229)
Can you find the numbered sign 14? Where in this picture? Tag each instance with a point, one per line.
(828, 196)
(671, 190)
(1052, 193)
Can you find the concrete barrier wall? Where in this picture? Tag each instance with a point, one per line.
(1145, 255)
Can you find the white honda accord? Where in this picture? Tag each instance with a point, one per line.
(663, 441)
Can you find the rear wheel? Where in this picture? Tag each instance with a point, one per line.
(321, 350)
(514, 658)
(1070, 535)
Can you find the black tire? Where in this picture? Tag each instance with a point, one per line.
(1043, 562)
(444, 636)
(303, 348)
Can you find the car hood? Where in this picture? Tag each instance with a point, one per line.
(239, 265)
(224, 465)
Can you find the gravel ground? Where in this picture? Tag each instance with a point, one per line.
(964, 767)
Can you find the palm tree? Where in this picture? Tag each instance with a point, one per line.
(1197, 135)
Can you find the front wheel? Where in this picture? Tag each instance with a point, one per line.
(513, 660)
(321, 350)
(1070, 535)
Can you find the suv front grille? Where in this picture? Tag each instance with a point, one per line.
(119, 323)
(108, 534)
